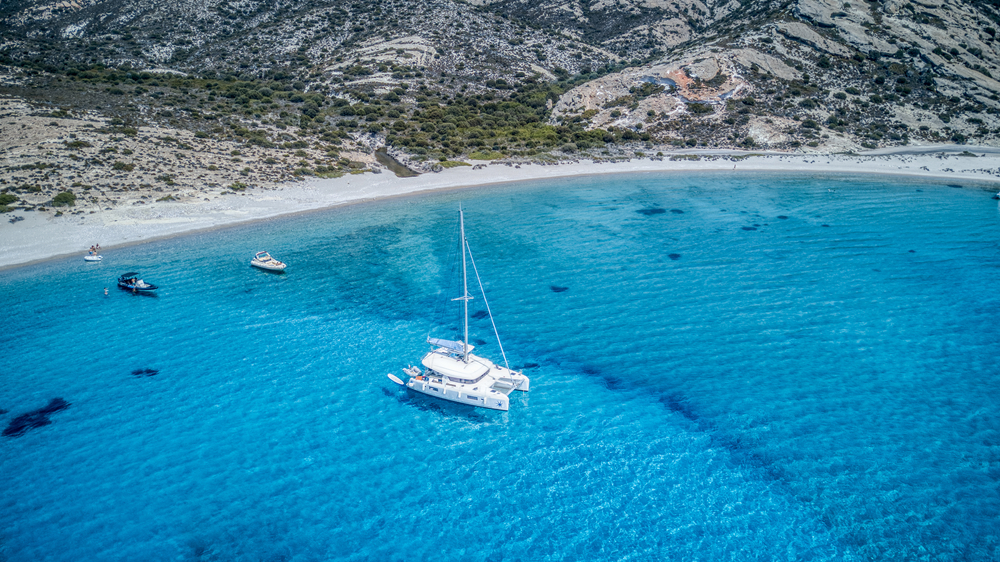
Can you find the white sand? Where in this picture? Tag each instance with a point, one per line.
(42, 236)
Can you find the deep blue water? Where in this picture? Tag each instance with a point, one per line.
(723, 368)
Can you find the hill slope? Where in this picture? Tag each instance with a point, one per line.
(313, 87)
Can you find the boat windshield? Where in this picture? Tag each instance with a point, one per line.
(466, 381)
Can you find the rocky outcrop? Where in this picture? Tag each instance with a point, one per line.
(804, 33)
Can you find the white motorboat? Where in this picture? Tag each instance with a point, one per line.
(451, 372)
(263, 260)
(92, 257)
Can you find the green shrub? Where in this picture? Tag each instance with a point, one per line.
(123, 166)
(7, 198)
(66, 198)
(238, 186)
(485, 155)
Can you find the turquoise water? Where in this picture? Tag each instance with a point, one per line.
(710, 381)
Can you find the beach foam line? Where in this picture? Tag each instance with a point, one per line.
(42, 236)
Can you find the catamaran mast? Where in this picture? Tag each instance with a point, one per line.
(465, 285)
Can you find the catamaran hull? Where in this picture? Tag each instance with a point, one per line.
(492, 400)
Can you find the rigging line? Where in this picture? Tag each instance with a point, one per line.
(490, 312)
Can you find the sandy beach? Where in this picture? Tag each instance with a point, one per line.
(40, 236)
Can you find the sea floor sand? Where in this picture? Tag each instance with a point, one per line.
(41, 236)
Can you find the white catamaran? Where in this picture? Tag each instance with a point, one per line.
(453, 373)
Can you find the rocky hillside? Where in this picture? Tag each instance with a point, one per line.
(827, 74)
(313, 88)
(308, 40)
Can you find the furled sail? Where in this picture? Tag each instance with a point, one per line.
(455, 346)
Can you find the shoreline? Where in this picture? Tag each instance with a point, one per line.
(42, 237)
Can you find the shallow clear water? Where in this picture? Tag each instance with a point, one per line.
(824, 387)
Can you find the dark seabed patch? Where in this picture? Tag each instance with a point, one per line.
(677, 211)
(145, 372)
(2, 411)
(529, 366)
(676, 402)
(913, 251)
(782, 217)
(955, 185)
(651, 211)
(674, 256)
(38, 418)
(749, 228)
(478, 342)
(826, 225)
(613, 383)
(480, 314)
(558, 289)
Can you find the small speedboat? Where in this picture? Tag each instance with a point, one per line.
(263, 260)
(130, 282)
(92, 257)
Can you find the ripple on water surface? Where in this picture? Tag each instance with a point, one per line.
(722, 367)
